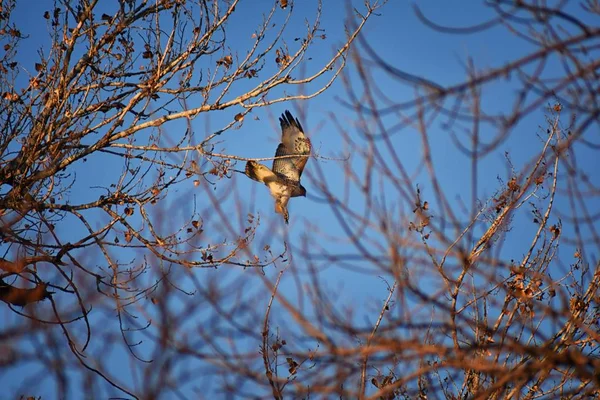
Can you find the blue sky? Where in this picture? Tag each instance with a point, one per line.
(404, 42)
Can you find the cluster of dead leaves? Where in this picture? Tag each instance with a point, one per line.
(225, 61)
(147, 52)
(381, 382)
(283, 58)
(251, 73)
(55, 15)
(197, 225)
(207, 256)
(221, 169)
(507, 195)
(577, 305)
(278, 345)
(524, 289)
(10, 96)
(421, 210)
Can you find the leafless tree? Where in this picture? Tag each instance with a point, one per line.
(487, 296)
(483, 295)
(114, 88)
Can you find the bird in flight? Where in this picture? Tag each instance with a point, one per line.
(283, 180)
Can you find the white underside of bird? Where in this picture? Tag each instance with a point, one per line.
(280, 189)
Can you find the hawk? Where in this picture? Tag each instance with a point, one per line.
(283, 180)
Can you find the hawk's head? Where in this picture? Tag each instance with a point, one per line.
(302, 191)
(299, 190)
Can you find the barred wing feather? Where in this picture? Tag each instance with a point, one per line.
(286, 167)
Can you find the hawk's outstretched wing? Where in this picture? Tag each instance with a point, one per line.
(294, 140)
(288, 169)
(290, 128)
(286, 166)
